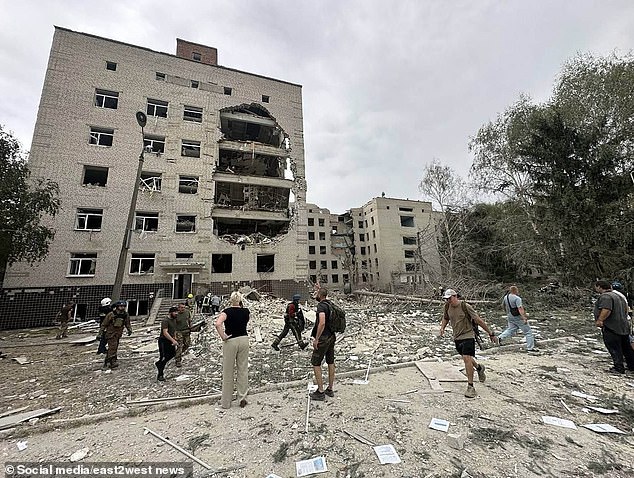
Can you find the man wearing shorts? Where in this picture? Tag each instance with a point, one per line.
(461, 316)
(323, 347)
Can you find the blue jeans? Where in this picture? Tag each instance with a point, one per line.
(516, 323)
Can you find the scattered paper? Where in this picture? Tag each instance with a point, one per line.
(359, 381)
(314, 465)
(558, 422)
(602, 428)
(182, 378)
(273, 475)
(439, 424)
(311, 387)
(583, 395)
(605, 411)
(386, 454)
(22, 445)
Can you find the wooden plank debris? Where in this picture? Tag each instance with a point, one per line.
(84, 340)
(359, 437)
(155, 401)
(176, 447)
(13, 412)
(13, 420)
(441, 371)
(431, 377)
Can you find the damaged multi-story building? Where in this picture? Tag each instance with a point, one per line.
(222, 192)
(387, 244)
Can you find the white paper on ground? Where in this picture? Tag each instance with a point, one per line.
(360, 381)
(386, 454)
(602, 428)
(308, 467)
(605, 411)
(439, 424)
(273, 475)
(558, 422)
(22, 445)
(583, 395)
(311, 388)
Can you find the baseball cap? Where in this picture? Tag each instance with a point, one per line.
(448, 293)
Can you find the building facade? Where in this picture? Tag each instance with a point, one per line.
(386, 244)
(221, 196)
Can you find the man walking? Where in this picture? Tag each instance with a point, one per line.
(215, 304)
(167, 344)
(323, 347)
(517, 320)
(293, 321)
(462, 316)
(65, 315)
(610, 313)
(112, 326)
(183, 334)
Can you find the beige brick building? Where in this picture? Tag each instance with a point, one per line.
(222, 194)
(387, 244)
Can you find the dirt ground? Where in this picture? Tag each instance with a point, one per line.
(503, 428)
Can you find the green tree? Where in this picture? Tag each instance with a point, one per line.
(23, 203)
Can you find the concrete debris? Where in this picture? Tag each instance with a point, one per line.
(79, 454)
(12, 420)
(22, 445)
(456, 440)
(21, 360)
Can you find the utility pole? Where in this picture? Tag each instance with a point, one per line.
(141, 119)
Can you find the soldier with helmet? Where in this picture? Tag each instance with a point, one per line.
(112, 327)
(293, 321)
(104, 309)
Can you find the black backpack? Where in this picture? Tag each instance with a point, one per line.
(337, 318)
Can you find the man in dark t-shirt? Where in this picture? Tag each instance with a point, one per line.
(183, 333)
(167, 343)
(323, 346)
(610, 314)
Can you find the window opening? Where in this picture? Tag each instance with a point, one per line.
(312, 264)
(409, 241)
(95, 176)
(82, 264)
(142, 263)
(188, 184)
(106, 99)
(311, 249)
(157, 108)
(101, 136)
(322, 249)
(193, 113)
(111, 65)
(150, 181)
(154, 144)
(196, 56)
(265, 99)
(191, 149)
(407, 221)
(334, 265)
(221, 263)
(311, 221)
(146, 221)
(160, 76)
(410, 254)
(311, 236)
(322, 236)
(266, 263)
(185, 223)
(321, 223)
(194, 83)
(227, 90)
(88, 219)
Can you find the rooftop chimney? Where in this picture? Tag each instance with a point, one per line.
(193, 51)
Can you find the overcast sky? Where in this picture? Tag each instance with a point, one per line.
(387, 85)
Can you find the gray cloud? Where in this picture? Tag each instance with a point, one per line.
(387, 86)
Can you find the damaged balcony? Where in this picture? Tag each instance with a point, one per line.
(250, 163)
(248, 231)
(251, 123)
(250, 197)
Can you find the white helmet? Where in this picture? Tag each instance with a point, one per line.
(106, 301)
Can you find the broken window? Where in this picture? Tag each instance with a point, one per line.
(335, 279)
(410, 267)
(345, 277)
(323, 279)
(334, 265)
(311, 236)
(101, 136)
(250, 123)
(146, 221)
(194, 83)
(313, 279)
(251, 163)
(321, 222)
(322, 236)
(311, 221)
(256, 229)
(190, 149)
(221, 263)
(362, 237)
(312, 264)
(323, 264)
(406, 209)
(88, 219)
(185, 223)
(360, 224)
(184, 255)
(188, 184)
(266, 263)
(227, 91)
(192, 113)
(197, 56)
(106, 99)
(363, 251)
(154, 144)
(334, 230)
(160, 76)
(82, 264)
(364, 264)
(111, 65)
(322, 250)
(409, 254)
(250, 197)
(409, 241)
(407, 221)
(150, 181)
(95, 176)
(364, 277)
(142, 263)
(157, 108)
(265, 98)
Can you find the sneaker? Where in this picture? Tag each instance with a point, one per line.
(614, 371)
(470, 392)
(303, 345)
(481, 375)
(275, 346)
(317, 395)
(330, 392)
(243, 403)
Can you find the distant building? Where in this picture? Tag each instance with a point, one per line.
(385, 244)
(222, 194)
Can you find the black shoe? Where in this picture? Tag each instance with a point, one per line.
(614, 371)
(160, 378)
(303, 345)
(317, 395)
(276, 346)
(330, 392)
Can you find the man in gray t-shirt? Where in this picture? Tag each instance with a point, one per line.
(517, 320)
(610, 314)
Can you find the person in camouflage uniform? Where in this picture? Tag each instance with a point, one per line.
(183, 332)
(64, 316)
(112, 326)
